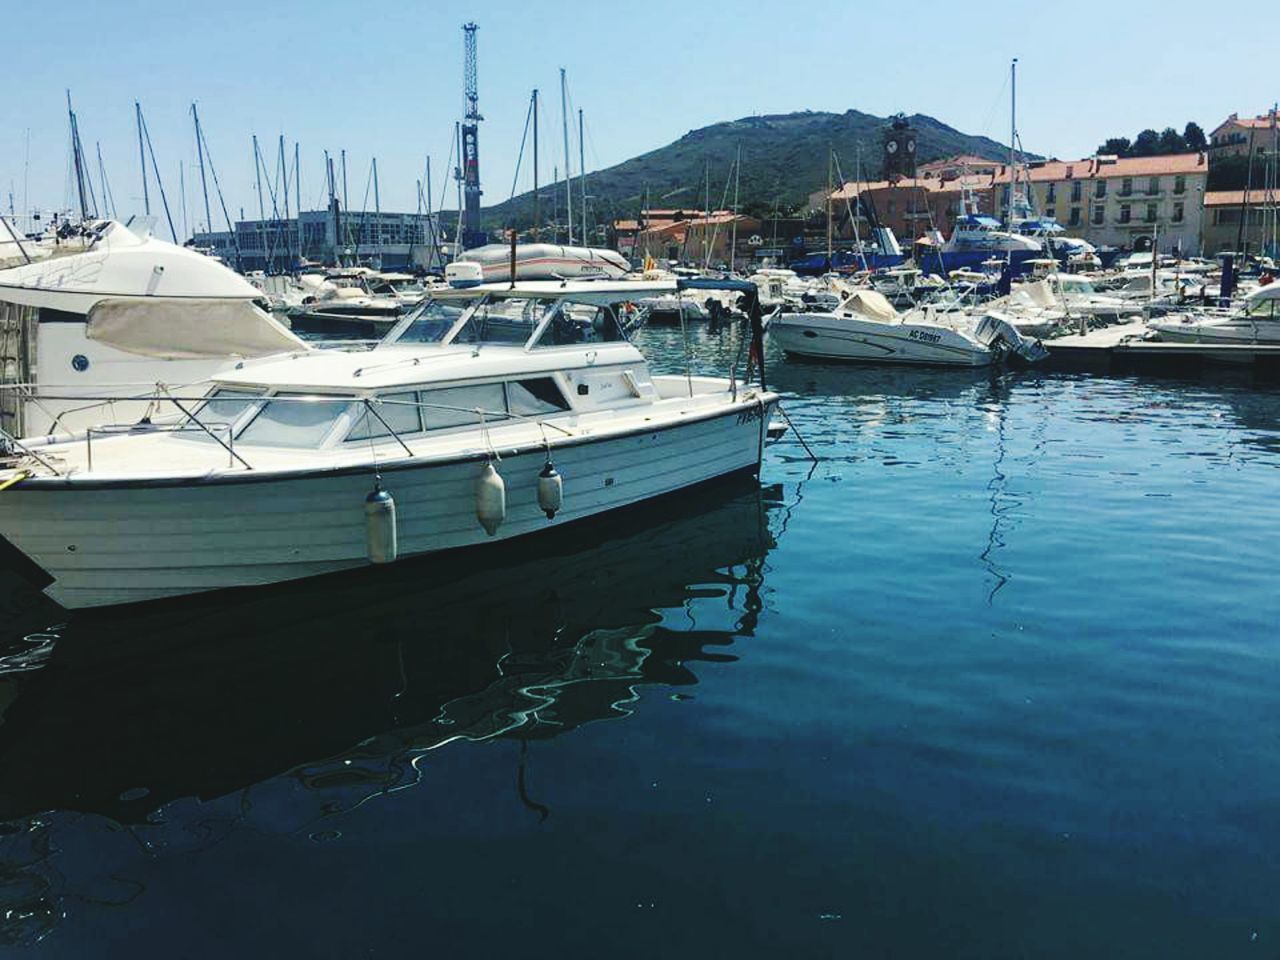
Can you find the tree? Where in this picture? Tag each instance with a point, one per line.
(1119, 146)
(1171, 141)
(1194, 137)
(1146, 144)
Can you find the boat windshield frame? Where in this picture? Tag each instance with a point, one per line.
(555, 309)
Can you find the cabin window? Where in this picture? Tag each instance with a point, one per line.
(399, 410)
(528, 398)
(575, 323)
(457, 406)
(1265, 309)
(509, 320)
(290, 422)
(226, 406)
(429, 323)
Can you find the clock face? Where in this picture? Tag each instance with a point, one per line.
(911, 146)
(892, 146)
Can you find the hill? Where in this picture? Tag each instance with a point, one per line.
(784, 159)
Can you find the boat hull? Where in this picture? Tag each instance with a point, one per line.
(126, 542)
(872, 342)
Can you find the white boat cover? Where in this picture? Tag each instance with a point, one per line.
(871, 304)
(189, 329)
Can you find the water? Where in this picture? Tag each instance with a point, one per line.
(996, 677)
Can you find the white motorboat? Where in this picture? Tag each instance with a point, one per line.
(867, 327)
(112, 320)
(528, 410)
(1255, 321)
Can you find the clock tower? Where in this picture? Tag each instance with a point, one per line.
(899, 149)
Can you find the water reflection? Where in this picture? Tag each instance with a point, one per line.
(342, 685)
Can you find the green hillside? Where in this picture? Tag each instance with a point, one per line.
(784, 159)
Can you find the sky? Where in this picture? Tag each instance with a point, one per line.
(386, 81)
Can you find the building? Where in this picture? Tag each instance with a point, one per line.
(1232, 137)
(699, 238)
(391, 240)
(1118, 202)
(1234, 223)
(961, 165)
(910, 208)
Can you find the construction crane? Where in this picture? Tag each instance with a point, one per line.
(472, 235)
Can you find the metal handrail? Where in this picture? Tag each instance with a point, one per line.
(11, 439)
(108, 429)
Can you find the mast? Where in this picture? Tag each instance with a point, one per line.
(257, 178)
(142, 159)
(377, 203)
(1013, 138)
(182, 188)
(537, 198)
(204, 183)
(77, 158)
(830, 189)
(582, 176)
(297, 193)
(108, 202)
(568, 174)
(737, 183)
(431, 223)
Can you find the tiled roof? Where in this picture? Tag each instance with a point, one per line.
(1234, 198)
(1092, 168)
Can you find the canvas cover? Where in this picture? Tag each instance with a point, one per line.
(189, 329)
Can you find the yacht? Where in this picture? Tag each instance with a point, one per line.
(866, 327)
(525, 410)
(126, 311)
(1255, 321)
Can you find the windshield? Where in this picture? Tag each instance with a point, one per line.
(430, 322)
(1262, 309)
(575, 323)
(505, 320)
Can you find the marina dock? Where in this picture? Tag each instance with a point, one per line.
(1126, 346)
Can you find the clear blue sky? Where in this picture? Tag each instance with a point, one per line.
(386, 79)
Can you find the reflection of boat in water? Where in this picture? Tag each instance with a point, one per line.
(204, 699)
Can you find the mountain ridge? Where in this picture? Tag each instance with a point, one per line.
(784, 160)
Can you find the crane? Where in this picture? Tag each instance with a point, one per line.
(472, 235)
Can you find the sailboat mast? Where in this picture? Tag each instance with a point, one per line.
(737, 183)
(297, 192)
(568, 175)
(537, 198)
(204, 183)
(377, 203)
(1013, 136)
(582, 176)
(830, 190)
(77, 158)
(257, 178)
(142, 159)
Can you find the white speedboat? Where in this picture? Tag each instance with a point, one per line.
(867, 327)
(1255, 321)
(529, 410)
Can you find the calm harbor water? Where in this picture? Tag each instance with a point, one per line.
(998, 676)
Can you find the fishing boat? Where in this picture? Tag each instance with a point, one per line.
(529, 410)
(866, 327)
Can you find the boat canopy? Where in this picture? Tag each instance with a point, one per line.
(1269, 292)
(189, 329)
